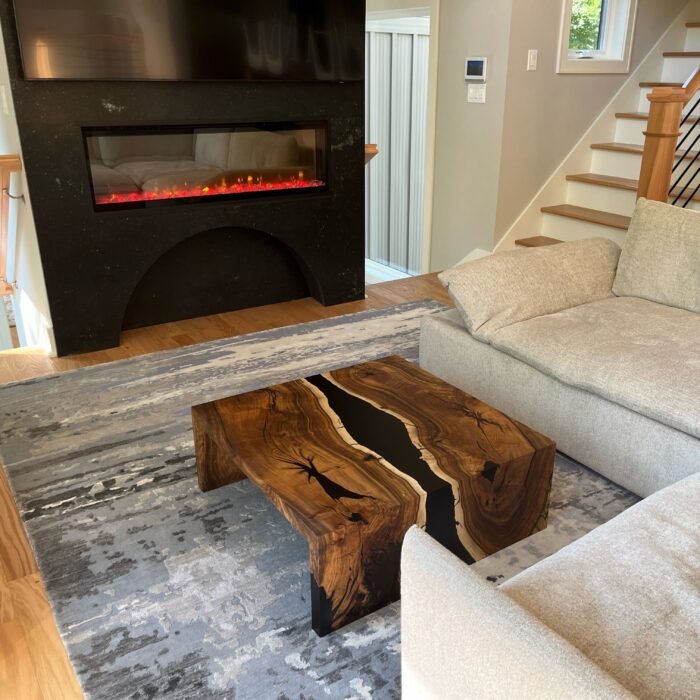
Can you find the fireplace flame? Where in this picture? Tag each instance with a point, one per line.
(243, 185)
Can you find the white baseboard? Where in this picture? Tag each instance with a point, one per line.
(375, 273)
(475, 255)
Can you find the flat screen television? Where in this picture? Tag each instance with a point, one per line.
(239, 40)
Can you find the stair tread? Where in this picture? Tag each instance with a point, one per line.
(681, 54)
(652, 84)
(593, 216)
(618, 147)
(537, 241)
(634, 148)
(620, 183)
(644, 116)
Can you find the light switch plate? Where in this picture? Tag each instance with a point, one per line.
(476, 94)
(532, 56)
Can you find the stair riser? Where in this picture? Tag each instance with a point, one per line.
(566, 229)
(632, 130)
(678, 69)
(616, 164)
(629, 164)
(611, 199)
(692, 39)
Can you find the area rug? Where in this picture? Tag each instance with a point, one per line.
(161, 591)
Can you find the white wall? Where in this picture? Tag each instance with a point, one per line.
(31, 303)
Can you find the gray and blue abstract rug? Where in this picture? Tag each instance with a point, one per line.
(161, 591)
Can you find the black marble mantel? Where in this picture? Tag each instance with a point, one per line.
(97, 264)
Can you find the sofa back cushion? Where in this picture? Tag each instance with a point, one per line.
(660, 260)
(518, 285)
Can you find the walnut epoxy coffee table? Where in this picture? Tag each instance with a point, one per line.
(354, 457)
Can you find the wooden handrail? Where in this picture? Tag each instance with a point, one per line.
(371, 151)
(661, 137)
(692, 85)
(8, 165)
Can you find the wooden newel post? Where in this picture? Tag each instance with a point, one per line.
(662, 135)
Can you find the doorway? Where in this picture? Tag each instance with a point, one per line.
(398, 96)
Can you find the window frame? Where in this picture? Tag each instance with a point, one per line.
(618, 26)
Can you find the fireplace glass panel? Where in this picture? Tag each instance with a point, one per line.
(135, 168)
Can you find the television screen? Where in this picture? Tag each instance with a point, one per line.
(295, 40)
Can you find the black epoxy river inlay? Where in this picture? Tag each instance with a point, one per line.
(387, 436)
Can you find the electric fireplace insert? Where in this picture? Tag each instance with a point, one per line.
(139, 167)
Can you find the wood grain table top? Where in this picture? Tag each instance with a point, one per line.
(337, 448)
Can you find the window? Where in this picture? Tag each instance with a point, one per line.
(597, 36)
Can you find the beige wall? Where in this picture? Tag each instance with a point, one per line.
(545, 113)
(490, 160)
(468, 136)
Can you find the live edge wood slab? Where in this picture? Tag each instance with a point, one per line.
(354, 457)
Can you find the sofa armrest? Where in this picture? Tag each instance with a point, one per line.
(463, 638)
(506, 288)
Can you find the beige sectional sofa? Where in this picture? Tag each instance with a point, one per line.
(614, 615)
(599, 349)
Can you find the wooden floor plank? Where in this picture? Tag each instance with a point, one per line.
(53, 670)
(7, 609)
(16, 558)
(21, 364)
(18, 680)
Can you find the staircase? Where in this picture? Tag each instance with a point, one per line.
(600, 202)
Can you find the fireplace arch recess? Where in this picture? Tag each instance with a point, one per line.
(215, 271)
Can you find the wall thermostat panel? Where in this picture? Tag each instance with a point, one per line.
(475, 69)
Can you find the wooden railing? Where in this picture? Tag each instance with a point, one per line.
(662, 152)
(8, 165)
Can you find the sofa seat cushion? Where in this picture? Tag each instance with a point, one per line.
(628, 594)
(639, 354)
(660, 260)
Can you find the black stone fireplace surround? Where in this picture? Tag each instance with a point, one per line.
(110, 270)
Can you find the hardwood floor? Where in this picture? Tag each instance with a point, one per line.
(33, 661)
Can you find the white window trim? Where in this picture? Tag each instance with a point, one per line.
(601, 61)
